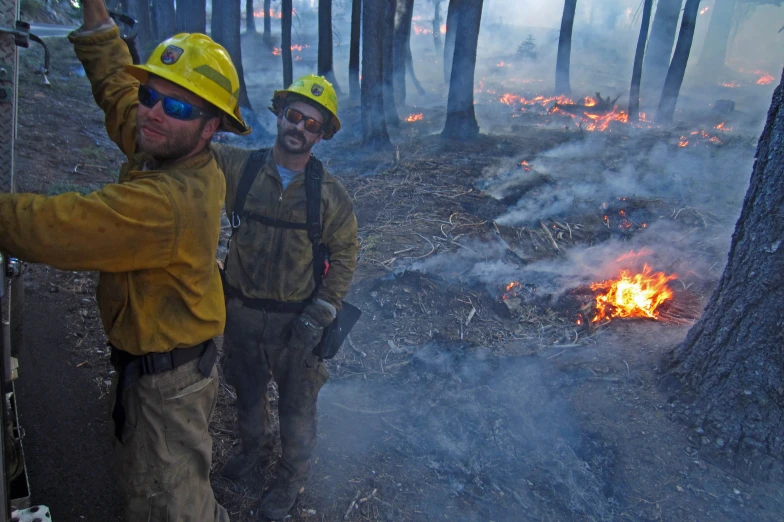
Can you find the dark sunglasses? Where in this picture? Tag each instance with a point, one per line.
(294, 116)
(177, 109)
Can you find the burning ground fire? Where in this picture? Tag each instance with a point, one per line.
(638, 295)
(277, 50)
(415, 117)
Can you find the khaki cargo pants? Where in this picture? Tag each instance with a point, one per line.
(163, 462)
(255, 346)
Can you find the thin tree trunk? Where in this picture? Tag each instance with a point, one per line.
(401, 48)
(353, 53)
(217, 20)
(412, 73)
(460, 116)
(267, 38)
(677, 70)
(634, 92)
(729, 369)
(191, 16)
(437, 28)
(231, 22)
(714, 50)
(449, 41)
(285, 43)
(325, 67)
(562, 66)
(660, 43)
(374, 127)
(250, 20)
(164, 18)
(390, 107)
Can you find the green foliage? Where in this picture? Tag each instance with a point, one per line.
(527, 49)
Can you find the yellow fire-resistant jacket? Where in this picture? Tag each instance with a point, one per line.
(266, 262)
(153, 236)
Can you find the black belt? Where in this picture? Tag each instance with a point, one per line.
(131, 368)
(268, 305)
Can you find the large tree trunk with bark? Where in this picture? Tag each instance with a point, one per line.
(231, 11)
(353, 52)
(449, 41)
(191, 16)
(390, 107)
(562, 65)
(634, 92)
(677, 70)
(285, 43)
(731, 364)
(714, 50)
(325, 66)
(250, 20)
(400, 50)
(374, 127)
(217, 20)
(165, 25)
(267, 37)
(460, 116)
(660, 43)
(437, 27)
(146, 39)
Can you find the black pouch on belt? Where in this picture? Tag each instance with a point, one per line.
(130, 368)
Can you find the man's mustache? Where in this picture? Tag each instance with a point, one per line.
(296, 134)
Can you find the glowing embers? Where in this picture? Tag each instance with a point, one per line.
(699, 137)
(632, 295)
(415, 117)
(276, 51)
(765, 79)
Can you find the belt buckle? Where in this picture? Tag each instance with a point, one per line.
(156, 362)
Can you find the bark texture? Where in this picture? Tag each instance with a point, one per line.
(677, 70)
(164, 19)
(231, 21)
(400, 47)
(714, 50)
(353, 53)
(390, 107)
(374, 127)
(267, 37)
(217, 20)
(191, 16)
(146, 39)
(449, 40)
(562, 65)
(461, 121)
(285, 42)
(250, 20)
(325, 66)
(634, 92)
(732, 360)
(660, 43)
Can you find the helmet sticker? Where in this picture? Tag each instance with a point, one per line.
(171, 54)
(298, 83)
(317, 89)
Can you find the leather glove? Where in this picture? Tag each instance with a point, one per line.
(308, 328)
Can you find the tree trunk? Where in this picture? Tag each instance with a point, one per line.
(657, 57)
(449, 41)
(411, 72)
(353, 53)
(390, 107)
(146, 38)
(285, 43)
(562, 65)
(674, 80)
(164, 19)
(714, 50)
(267, 38)
(437, 27)
(230, 39)
(217, 20)
(191, 16)
(374, 127)
(731, 361)
(400, 49)
(634, 92)
(460, 116)
(325, 67)
(250, 20)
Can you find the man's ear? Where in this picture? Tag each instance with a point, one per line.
(210, 127)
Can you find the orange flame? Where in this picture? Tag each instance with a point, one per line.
(632, 296)
(766, 79)
(683, 142)
(731, 85)
(722, 127)
(415, 117)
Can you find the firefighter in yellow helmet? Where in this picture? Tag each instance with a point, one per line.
(152, 236)
(278, 298)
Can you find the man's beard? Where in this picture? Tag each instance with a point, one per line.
(303, 148)
(172, 148)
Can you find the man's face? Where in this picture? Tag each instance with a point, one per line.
(293, 137)
(165, 137)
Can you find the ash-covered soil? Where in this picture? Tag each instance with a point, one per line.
(458, 397)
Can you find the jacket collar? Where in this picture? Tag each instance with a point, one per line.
(141, 162)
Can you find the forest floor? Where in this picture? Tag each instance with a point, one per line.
(468, 390)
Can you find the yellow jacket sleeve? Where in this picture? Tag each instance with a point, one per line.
(120, 228)
(104, 56)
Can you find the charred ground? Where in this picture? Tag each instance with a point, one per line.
(449, 402)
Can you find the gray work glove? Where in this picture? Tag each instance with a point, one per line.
(309, 326)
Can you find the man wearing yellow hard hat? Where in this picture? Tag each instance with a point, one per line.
(153, 237)
(289, 264)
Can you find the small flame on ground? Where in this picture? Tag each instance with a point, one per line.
(638, 295)
(766, 79)
(704, 10)
(525, 165)
(415, 117)
(511, 290)
(683, 142)
(722, 127)
(731, 85)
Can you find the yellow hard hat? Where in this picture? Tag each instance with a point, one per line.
(196, 63)
(316, 89)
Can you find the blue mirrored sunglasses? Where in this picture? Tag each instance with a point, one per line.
(178, 109)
